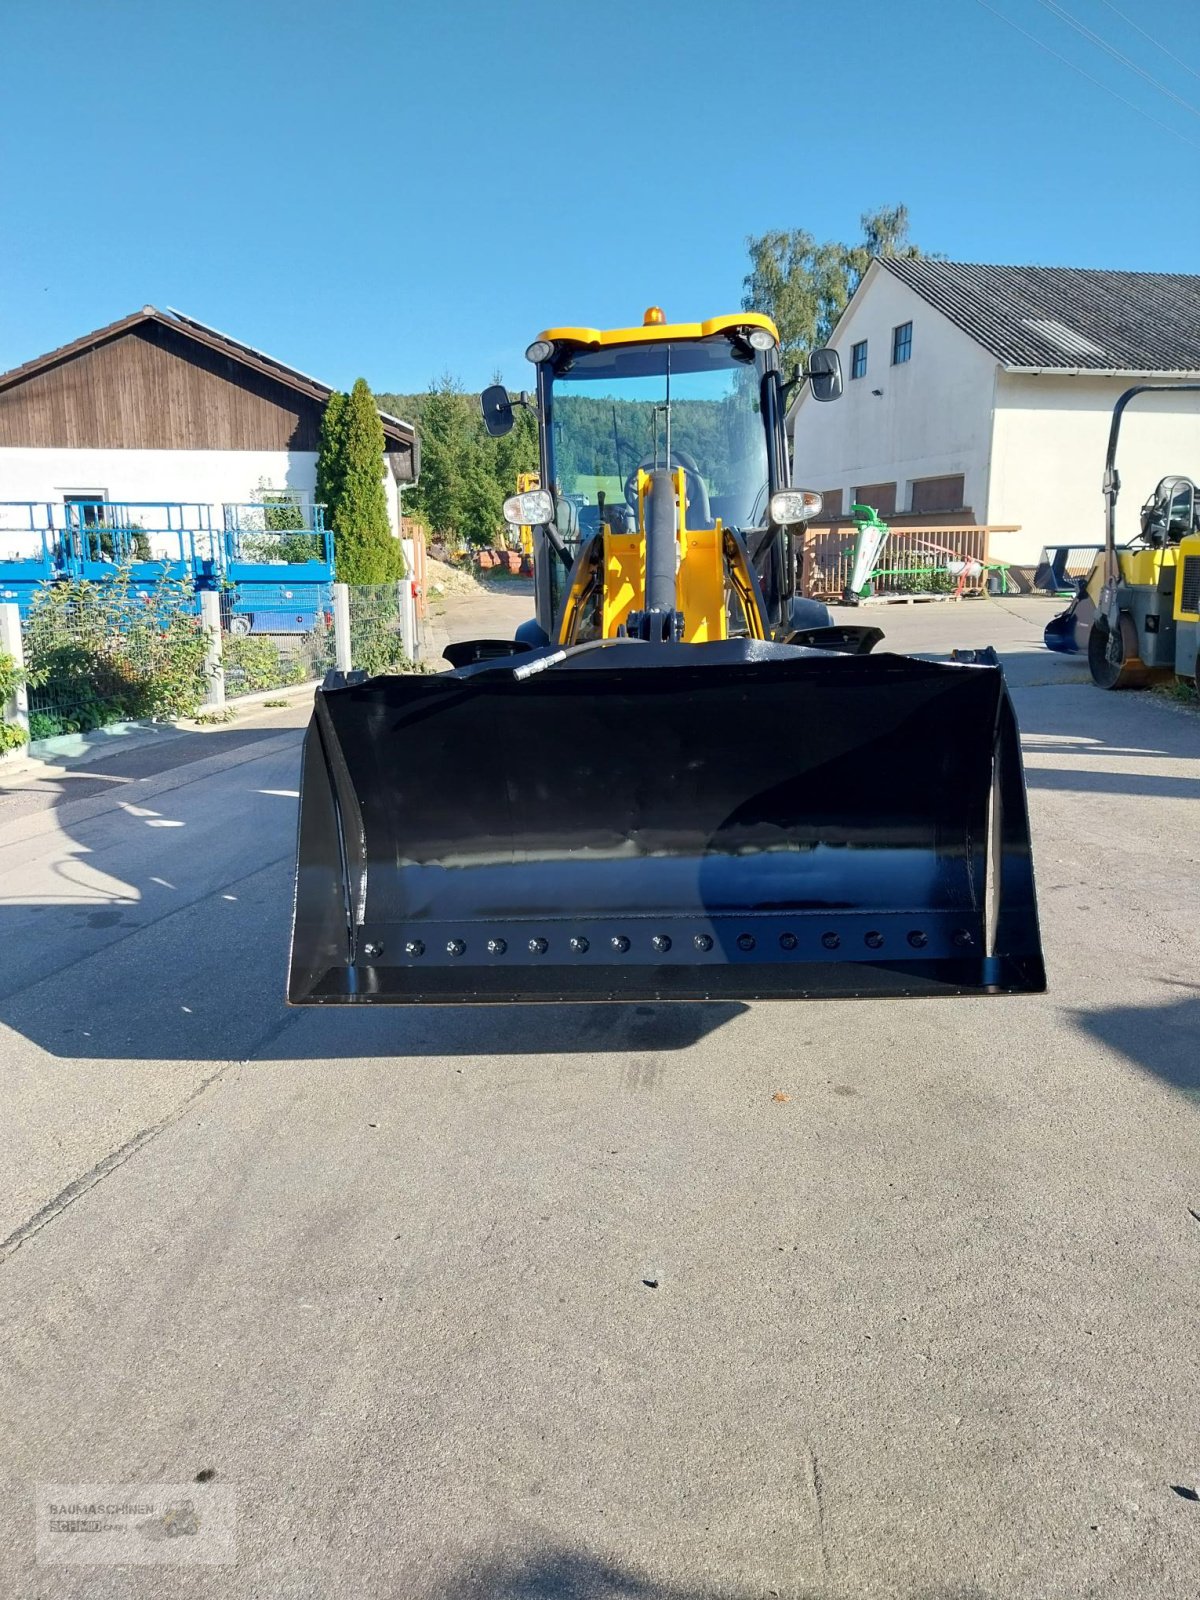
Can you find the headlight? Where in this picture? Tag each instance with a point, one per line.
(761, 339)
(539, 350)
(794, 505)
(534, 507)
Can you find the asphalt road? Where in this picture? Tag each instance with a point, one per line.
(550, 1302)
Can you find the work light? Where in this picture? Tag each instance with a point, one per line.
(794, 505)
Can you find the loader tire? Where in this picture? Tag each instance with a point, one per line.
(806, 613)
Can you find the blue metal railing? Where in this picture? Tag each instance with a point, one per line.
(272, 559)
(154, 538)
(31, 549)
(34, 549)
(288, 532)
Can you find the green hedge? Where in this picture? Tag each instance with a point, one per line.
(11, 678)
(252, 664)
(105, 652)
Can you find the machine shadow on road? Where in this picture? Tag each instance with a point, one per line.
(562, 1574)
(1163, 1040)
(157, 749)
(1104, 729)
(206, 983)
(159, 931)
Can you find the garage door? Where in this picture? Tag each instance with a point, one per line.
(938, 494)
(880, 495)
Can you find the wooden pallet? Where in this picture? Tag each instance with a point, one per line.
(907, 599)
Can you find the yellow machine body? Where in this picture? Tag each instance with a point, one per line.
(1187, 588)
(1144, 568)
(1159, 586)
(710, 570)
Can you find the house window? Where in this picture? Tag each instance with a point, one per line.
(937, 494)
(858, 360)
(901, 343)
(85, 507)
(831, 502)
(882, 496)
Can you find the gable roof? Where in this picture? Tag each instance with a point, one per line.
(395, 430)
(1078, 319)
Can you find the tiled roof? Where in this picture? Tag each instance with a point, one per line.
(1070, 317)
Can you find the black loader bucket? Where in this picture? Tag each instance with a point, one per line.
(665, 822)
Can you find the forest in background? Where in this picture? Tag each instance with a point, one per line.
(802, 283)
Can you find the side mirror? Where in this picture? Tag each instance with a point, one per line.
(497, 410)
(825, 374)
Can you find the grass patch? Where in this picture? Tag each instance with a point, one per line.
(213, 719)
(1178, 691)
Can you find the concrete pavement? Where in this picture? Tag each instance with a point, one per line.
(541, 1302)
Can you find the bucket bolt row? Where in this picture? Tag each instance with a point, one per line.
(661, 943)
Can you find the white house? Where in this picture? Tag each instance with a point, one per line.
(987, 391)
(161, 408)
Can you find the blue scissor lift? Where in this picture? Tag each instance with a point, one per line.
(276, 566)
(272, 562)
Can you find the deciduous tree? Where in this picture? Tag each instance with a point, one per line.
(804, 285)
(465, 474)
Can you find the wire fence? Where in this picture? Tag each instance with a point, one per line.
(102, 653)
(258, 661)
(273, 627)
(376, 628)
(254, 663)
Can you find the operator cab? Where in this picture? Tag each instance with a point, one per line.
(1171, 513)
(701, 402)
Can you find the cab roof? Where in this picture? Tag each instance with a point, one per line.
(660, 332)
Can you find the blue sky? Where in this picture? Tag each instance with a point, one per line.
(402, 188)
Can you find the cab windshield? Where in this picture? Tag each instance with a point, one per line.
(691, 403)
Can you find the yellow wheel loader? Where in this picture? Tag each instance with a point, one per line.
(680, 781)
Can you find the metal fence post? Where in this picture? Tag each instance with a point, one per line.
(16, 709)
(405, 605)
(341, 627)
(214, 668)
(410, 620)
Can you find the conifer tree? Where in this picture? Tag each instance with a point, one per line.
(331, 452)
(350, 478)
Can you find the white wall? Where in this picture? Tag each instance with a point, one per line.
(932, 420)
(210, 476)
(206, 477)
(1049, 440)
